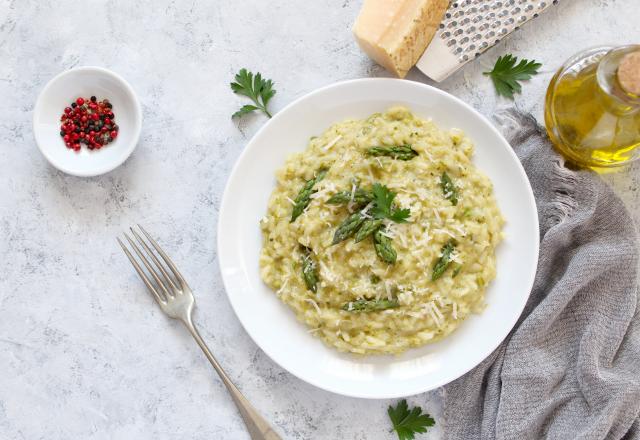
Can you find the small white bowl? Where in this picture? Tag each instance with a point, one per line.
(84, 82)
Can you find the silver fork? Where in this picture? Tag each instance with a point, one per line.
(174, 297)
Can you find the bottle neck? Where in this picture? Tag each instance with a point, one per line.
(622, 100)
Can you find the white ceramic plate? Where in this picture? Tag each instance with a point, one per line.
(271, 323)
(64, 89)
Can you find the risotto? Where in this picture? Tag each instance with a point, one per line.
(381, 235)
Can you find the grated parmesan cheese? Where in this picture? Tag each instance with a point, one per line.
(332, 143)
(455, 257)
(388, 290)
(326, 272)
(437, 311)
(436, 212)
(431, 308)
(371, 178)
(314, 304)
(460, 230)
(445, 232)
(402, 236)
(284, 285)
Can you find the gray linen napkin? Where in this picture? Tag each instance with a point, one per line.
(570, 368)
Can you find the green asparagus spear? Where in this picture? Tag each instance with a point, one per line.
(368, 227)
(348, 227)
(360, 197)
(304, 196)
(370, 305)
(399, 152)
(309, 269)
(443, 262)
(449, 189)
(383, 247)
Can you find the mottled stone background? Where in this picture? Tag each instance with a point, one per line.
(84, 353)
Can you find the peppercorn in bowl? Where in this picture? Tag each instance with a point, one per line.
(87, 121)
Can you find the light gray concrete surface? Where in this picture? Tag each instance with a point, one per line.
(84, 353)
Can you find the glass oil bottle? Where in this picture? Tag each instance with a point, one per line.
(592, 109)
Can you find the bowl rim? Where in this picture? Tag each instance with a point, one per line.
(528, 284)
(137, 119)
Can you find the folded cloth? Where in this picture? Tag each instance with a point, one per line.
(570, 368)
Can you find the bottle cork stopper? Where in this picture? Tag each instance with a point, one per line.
(629, 73)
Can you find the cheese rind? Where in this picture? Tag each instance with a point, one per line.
(395, 33)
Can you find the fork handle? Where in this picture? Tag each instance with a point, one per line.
(258, 427)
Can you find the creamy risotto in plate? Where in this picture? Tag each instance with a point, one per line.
(381, 235)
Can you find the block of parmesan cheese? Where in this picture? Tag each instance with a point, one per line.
(395, 33)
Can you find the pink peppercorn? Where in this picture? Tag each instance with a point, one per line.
(88, 121)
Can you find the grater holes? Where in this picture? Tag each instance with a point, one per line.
(471, 26)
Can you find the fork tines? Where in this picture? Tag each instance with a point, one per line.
(165, 281)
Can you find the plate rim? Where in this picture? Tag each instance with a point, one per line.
(530, 199)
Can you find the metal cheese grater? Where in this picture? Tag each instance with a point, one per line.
(472, 26)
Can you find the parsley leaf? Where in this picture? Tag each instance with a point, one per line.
(383, 205)
(244, 110)
(400, 215)
(506, 74)
(259, 90)
(408, 423)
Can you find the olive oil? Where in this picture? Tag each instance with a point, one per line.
(592, 110)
